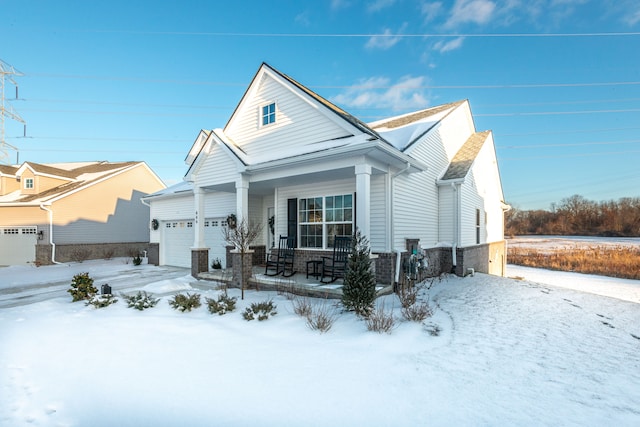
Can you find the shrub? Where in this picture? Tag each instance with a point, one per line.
(412, 308)
(302, 307)
(80, 254)
(137, 260)
(186, 302)
(82, 287)
(379, 320)
(260, 309)
(108, 253)
(216, 264)
(321, 318)
(100, 301)
(140, 301)
(359, 286)
(223, 305)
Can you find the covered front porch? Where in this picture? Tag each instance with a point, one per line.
(298, 284)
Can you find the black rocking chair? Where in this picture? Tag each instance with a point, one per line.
(335, 266)
(282, 261)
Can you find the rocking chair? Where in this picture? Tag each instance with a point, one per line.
(282, 261)
(335, 266)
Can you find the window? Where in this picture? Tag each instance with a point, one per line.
(477, 226)
(323, 218)
(268, 114)
(28, 183)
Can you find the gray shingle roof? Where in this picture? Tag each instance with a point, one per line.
(464, 158)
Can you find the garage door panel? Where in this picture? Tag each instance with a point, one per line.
(18, 245)
(178, 236)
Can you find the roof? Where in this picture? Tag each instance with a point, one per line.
(462, 161)
(8, 170)
(79, 175)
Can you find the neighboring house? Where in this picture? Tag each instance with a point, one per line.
(424, 181)
(69, 211)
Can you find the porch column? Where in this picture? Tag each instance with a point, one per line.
(198, 241)
(363, 197)
(199, 252)
(242, 198)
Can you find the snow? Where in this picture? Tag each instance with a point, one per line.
(509, 352)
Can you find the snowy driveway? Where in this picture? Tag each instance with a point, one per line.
(21, 285)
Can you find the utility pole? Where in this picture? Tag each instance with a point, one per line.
(7, 72)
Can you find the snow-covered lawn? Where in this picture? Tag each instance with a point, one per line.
(510, 352)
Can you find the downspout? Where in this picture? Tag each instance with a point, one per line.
(53, 245)
(456, 223)
(390, 224)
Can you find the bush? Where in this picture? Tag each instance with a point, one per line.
(302, 307)
(82, 287)
(140, 301)
(412, 308)
(260, 309)
(223, 305)
(359, 288)
(80, 254)
(379, 320)
(137, 260)
(186, 302)
(100, 301)
(216, 264)
(321, 318)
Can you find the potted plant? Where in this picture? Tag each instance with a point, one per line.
(216, 264)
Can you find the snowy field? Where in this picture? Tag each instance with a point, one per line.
(571, 242)
(531, 352)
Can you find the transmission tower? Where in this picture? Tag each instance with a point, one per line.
(7, 73)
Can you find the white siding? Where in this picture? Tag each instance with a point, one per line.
(170, 209)
(310, 190)
(297, 122)
(217, 168)
(379, 213)
(471, 201)
(446, 214)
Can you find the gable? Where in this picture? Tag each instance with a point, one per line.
(464, 158)
(300, 119)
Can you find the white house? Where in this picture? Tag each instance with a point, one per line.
(424, 181)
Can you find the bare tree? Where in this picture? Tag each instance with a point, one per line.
(241, 236)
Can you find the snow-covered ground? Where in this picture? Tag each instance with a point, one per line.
(509, 352)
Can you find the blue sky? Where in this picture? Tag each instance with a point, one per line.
(558, 81)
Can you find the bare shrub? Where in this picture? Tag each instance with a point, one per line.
(80, 254)
(302, 307)
(380, 320)
(108, 253)
(321, 318)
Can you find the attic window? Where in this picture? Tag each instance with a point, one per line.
(28, 183)
(268, 114)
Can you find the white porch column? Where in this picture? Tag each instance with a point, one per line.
(363, 199)
(198, 241)
(242, 198)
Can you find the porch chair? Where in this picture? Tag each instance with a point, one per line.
(335, 266)
(282, 261)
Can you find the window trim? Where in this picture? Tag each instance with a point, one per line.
(29, 183)
(324, 223)
(262, 115)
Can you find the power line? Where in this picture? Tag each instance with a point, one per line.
(579, 144)
(565, 156)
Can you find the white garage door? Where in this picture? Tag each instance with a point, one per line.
(18, 245)
(178, 236)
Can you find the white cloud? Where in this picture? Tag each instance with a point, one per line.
(339, 4)
(407, 92)
(303, 19)
(446, 46)
(632, 18)
(386, 40)
(431, 10)
(378, 5)
(473, 11)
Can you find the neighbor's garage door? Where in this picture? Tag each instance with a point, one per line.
(178, 236)
(18, 245)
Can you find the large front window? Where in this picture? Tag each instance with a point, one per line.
(323, 218)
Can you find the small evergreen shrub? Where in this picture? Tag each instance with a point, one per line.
(186, 302)
(223, 305)
(379, 320)
(261, 310)
(359, 285)
(137, 260)
(82, 287)
(100, 301)
(140, 301)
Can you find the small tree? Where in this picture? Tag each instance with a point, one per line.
(359, 288)
(241, 236)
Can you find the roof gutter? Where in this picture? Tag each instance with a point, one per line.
(53, 245)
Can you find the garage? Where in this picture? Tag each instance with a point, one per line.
(177, 240)
(18, 245)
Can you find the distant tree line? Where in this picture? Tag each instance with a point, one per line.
(577, 216)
